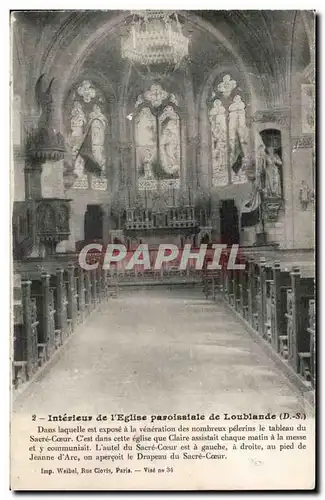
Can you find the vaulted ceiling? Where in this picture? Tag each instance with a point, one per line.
(80, 43)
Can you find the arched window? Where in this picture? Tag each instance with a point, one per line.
(229, 134)
(157, 134)
(87, 137)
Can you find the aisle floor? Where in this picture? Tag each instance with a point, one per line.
(161, 351)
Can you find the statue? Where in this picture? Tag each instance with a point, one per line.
(306, 195)
(272, 174)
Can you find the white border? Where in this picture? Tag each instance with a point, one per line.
(318, 6)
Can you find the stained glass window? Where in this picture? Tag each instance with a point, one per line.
(229, 134)
(157, 139)
(88, 126)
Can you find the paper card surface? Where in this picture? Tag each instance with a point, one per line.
(163, 236)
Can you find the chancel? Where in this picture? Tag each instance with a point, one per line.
(164, 130)
(161, 119)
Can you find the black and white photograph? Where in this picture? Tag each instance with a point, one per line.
(163, 229)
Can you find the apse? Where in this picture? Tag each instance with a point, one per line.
(163, 115)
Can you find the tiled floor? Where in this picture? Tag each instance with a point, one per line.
(161, 351)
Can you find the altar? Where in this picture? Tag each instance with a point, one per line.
(176, 225)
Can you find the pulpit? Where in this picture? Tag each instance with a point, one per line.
(42, 220)
(39, 226)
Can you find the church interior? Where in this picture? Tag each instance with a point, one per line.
(150, 127)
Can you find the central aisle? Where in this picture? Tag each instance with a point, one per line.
(161, 351)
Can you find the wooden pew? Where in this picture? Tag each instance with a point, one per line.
(25, 361)
(81, 293)
(50, 305)
(268, 284)
(229, 287)
(72, 297)
(312, 332)
(207, 284)
(236, 289)
(280, 305)
(61, 305)
(264, 299)
(49, 337)
(243, 291)
(211, 283)
(105, 284)
(41, 296)
(18, 369)
(298, 297)
(252, 292)
(280, 284)
(93, 279)
(99, 283)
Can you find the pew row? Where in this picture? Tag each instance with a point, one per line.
(51, 306)
(277, 303)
